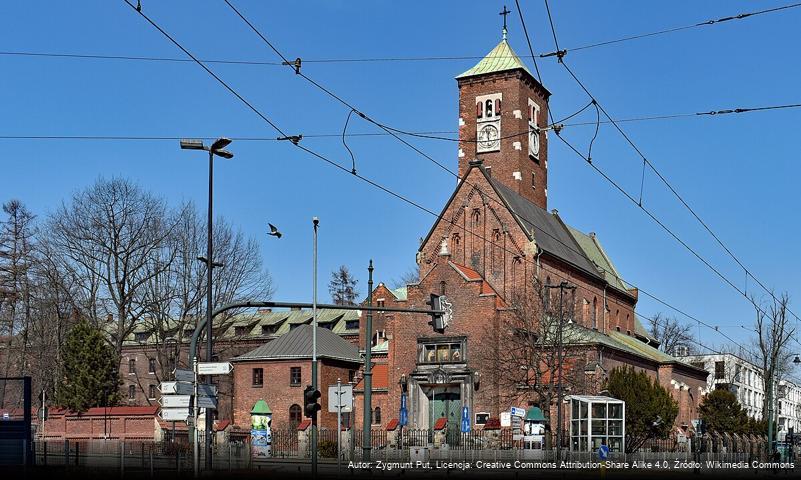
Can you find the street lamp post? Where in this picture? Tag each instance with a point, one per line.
(562, 287)
(315, 223)
(216, 148)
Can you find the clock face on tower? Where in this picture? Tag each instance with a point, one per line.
(534, 142)
(488, 138)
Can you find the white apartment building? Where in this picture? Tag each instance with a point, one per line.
(744, 380)
(730, 372)
(788, 407)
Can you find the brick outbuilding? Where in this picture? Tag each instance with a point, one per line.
(278, 371)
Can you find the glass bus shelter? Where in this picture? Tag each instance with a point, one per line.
(595, 420)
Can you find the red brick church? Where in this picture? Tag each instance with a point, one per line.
(494, 240)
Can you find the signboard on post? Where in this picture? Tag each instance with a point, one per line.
(182, 375)
(207, 402)
(175, 401)
(518, 412)
(214, 368)
(205, 390)
(173, 388)
(174, 414)
(345, 400)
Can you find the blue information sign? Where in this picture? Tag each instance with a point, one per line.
(465, 419)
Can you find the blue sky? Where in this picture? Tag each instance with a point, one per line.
(739, 171)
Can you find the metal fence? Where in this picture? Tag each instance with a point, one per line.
(408, 445)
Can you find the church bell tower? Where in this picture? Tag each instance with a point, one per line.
(503, 115)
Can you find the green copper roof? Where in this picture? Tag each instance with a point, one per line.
(592, 248)
(500, 59)
(534, 414)
(261, 408)
(400, 293)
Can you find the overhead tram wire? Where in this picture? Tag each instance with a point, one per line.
(413, 147)
(385, 189)
(431, 135)
(398, 59)
(560, 57)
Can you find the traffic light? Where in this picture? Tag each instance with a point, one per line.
(310, 405)
(441, 312)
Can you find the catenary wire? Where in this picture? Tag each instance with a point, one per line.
(387, 190)
(665, 181)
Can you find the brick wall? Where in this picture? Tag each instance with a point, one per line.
(279, 394)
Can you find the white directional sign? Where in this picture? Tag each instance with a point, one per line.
(346, 400)
(207, 402)
(174, 414)
(175, 401)
(182, 375)
(214, 368)
(180, 388)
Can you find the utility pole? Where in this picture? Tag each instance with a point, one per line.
(559, 359)
(316, 223)
(368, 370)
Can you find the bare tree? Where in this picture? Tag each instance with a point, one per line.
(523, 352)
(774, 331)
(106, 239)
(410, 276)
(174, 296)
(670, 333)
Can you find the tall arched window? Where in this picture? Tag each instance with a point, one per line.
(132, 365)
(377, 416)
(488, 108)
(595, 312)
(294, 416)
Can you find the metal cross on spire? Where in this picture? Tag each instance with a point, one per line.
(505, 12)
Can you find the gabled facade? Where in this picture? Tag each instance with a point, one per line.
(493, 238)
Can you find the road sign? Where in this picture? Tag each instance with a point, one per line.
(175, 401)
(346, 401)
(180, 388)
(207, 402)
(182, 375)
(518, 412)
(603, 452)
(205, 390)
(174, 414)
(465, 423)
(214, 368)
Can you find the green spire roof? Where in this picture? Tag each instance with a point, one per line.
(500, 59)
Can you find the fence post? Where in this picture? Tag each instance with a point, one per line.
(122, 458)
(77, 452)
(44, 447)
(229, 456)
